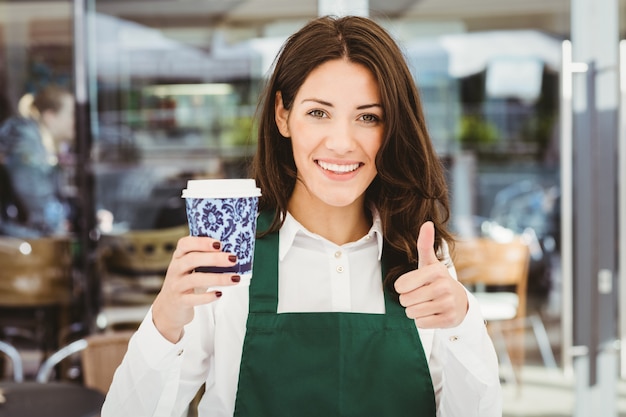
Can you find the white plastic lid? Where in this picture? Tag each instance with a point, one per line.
(221, 188)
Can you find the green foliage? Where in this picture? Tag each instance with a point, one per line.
(477, 132)
(244, 133)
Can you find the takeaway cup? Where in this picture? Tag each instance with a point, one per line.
(225, 209)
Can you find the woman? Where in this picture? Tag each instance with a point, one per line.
(30, 147)
(347, 172)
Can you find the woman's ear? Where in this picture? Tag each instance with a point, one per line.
(282, 115)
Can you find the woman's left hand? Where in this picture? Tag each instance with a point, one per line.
(430, 294)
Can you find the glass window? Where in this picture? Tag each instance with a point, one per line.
(173, 89)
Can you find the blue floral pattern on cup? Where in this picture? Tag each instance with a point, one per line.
(230, 220)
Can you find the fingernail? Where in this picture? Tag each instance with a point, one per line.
(235, 278)
(218, 294)
(217, 245)
(232, 258)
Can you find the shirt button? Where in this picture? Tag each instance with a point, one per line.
(454, 338)
(340, 269)
(180, 352)
(338, 254)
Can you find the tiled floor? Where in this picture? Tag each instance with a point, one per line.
(548, 393)
(542, 392)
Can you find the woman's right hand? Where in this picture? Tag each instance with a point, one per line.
(174, 306)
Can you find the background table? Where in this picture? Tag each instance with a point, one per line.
(53, 399)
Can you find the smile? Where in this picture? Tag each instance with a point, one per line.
(338, 168)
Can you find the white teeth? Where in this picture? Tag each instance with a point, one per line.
(338, 168)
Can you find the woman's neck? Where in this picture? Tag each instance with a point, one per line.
(339, 225)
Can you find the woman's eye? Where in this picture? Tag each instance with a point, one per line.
(317, 113)
(370, 118)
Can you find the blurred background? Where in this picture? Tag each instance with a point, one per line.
(166, 91)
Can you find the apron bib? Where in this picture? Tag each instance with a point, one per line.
(327, 364)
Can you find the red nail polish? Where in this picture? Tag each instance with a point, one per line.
(232, 258)
(217, 245)
(218, 294)
(235, 278)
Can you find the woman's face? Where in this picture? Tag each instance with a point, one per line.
(336, 126)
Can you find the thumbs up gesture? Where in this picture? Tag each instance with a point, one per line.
(430, 294)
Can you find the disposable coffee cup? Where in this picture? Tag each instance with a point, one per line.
(226, 210)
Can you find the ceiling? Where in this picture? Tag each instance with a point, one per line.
(549, 15)
(472, 15)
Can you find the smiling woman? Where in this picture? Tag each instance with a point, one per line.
(353, 198)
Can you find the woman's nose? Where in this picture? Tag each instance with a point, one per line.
(340, 137)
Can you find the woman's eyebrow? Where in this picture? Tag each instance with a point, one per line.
(369, 106)
(317, 100)
(326, 103)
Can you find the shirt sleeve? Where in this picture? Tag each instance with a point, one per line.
(467, 363)
(464, 366)
(153, 378)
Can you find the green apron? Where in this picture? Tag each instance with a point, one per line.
(327, 364)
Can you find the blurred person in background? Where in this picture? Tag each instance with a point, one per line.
(32, 144)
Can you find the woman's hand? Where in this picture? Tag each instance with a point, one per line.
(174, 306)
(430, 294)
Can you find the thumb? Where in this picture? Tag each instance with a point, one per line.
(426, 245)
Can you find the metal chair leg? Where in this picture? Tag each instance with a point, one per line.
(541, 335)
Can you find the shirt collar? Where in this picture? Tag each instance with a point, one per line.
(291, 227)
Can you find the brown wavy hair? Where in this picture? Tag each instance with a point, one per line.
(50, 98)
(410, 187)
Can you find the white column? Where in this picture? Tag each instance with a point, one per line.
(595, 39)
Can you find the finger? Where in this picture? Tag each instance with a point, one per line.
(443, 304)
(440, 320)
(435, 313)
(426, 245)
(410, 281)
(195, 251)
(429, 287)
(195, 260)
(196, 298)
(207, 279)
(421, 294)
(190, 244)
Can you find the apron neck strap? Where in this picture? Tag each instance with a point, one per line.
(264, 283)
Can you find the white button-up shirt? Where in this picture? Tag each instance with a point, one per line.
(159, 378)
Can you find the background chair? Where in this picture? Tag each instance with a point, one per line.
(15, 359)
(100, 355)
(36, 289)
(497, 274)
(133, 266)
